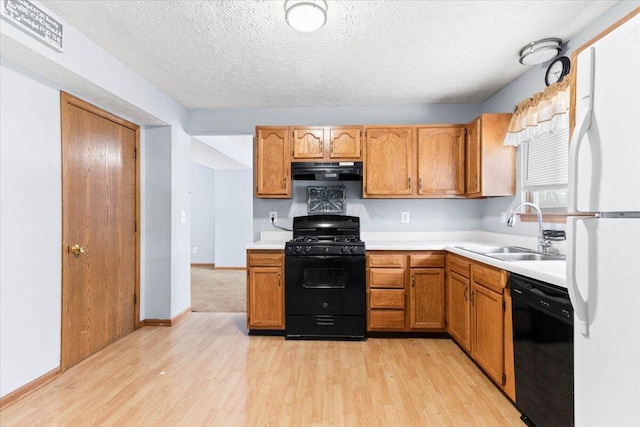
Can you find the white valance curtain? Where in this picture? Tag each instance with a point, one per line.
(543, 113)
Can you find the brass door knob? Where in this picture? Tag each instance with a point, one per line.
(77, 249)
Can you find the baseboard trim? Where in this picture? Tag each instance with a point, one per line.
(29, 388)
(212, 265)
(166, 322)
(229, 268)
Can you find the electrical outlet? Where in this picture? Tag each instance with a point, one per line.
(503, 217)
(273, 216)
(195, 249)
(405, 218)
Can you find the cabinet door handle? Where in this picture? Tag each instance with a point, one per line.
(278, 280)
(465, 293)
(413, 280)
(476, 180)
(331, 147)
(420, 183)
(284, 183)
(471, 296)
(409, 181)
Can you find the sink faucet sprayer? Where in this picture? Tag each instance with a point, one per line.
(544, 245)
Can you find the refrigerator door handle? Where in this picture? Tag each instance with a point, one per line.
(580, 306)
(584, 109)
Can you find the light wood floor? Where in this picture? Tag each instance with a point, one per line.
(206, 371)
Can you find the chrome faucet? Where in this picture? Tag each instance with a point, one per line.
(544, 245)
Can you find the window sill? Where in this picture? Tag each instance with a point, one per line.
(550, 217)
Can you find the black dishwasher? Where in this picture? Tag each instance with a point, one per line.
(543, 352)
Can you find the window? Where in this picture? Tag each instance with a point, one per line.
(540, 129)
(544, 170)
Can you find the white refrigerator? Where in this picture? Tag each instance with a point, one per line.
(603, 255)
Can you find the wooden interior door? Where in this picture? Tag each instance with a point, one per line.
(99, 236)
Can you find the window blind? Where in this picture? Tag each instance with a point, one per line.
(545, 161)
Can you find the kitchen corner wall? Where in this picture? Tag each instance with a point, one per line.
(524, 87)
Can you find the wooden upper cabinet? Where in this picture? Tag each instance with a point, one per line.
(441, 158)
(388, 162)
(272, 162)
(473, 158)
(329, 143)
(308, 143)
(345, 143)
(490, 165)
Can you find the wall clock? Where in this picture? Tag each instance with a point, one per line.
(559, 68)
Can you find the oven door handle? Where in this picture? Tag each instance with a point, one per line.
(322, 286)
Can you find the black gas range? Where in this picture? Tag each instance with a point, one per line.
(325, 279)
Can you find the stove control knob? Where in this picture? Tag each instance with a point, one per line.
(325, 250)
(344, 249)
(307, 249)
(354, 249)
(298, 249)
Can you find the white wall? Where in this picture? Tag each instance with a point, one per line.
(375, 214)
(233, 216)
(203, 202)
(244, 120)
(87, 71)
(30, 226)
(156, 288)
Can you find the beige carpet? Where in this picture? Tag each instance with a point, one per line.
(218, 291)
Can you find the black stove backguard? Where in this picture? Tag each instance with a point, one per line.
(325, 279)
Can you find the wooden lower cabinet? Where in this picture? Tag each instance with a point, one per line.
(479, 317)
(405, 291)
(487, 326)
(427, 299)
(459, 309)
(265, 290)
(386, 291)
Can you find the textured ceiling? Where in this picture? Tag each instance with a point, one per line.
(233, 53)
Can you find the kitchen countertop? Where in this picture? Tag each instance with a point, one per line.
(547, 271)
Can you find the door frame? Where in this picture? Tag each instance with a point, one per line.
(65, 100)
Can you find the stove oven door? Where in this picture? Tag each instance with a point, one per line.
(331, 285)
(325, 297)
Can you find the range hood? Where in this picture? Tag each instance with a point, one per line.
(335, 171)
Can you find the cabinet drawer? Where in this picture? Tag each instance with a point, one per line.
(387, 298)
(426, 260)
(489, 277)
(268, 260)
(386, 278)
(386, 319)
(386, 260)
(459, 265)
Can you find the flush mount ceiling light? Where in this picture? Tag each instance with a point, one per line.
(305, 15)
(540, 51)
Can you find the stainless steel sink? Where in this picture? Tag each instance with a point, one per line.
(534, 256)
(512, 253)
